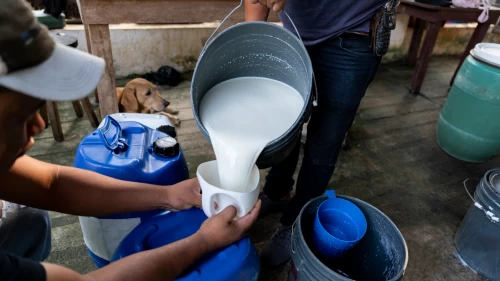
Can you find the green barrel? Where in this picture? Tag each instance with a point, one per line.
(469, 123)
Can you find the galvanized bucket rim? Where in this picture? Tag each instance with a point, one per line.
(324, 267)
(485, 194)
(310, 77)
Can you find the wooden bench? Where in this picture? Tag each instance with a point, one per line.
(434, 17)
(98, 14)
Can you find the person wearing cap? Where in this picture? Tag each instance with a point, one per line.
(33, 68)
(338, 37)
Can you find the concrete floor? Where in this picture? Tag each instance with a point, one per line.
(393, 163)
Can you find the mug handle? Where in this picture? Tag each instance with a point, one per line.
(214, 212)
(330, 194)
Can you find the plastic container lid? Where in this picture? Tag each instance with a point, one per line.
(166, 147)
(152, 121)
(488, 53)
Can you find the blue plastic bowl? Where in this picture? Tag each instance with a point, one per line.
(239, 261)
(338, 226)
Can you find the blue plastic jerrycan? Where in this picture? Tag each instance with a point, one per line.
(128, 151)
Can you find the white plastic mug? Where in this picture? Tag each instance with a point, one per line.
(215, 199)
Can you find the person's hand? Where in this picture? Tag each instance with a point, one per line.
(275, 5)
(183, 195)
(222, 229)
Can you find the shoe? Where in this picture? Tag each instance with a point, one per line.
(277, 251)
(270, 206)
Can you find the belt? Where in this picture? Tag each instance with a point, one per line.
(353, 35)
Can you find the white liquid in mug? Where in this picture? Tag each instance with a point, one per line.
(242, 116)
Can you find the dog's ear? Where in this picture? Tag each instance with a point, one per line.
(129, 100)
(119, 92)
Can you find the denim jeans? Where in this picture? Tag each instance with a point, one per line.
(344, 67)
(25, 232)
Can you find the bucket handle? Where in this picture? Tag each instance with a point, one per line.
(315, 98)
(111, 135)
(293, 230)
(494, 219)
(220, 24)
(298, 266)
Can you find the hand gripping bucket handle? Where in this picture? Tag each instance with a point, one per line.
(315, 99)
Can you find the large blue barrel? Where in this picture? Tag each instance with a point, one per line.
(238, 261)
(129, 151)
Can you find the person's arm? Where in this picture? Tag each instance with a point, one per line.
(167, 262)
(80, 192)
(255, 12)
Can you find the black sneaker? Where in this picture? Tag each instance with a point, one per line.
(277, 250)
(270, 206)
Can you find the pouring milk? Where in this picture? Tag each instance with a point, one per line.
(242, 116)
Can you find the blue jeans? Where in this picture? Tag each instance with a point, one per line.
(344, 67)
(25, 232)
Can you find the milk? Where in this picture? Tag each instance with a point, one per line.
(242, 116)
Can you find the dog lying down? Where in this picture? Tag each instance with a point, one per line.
(141, 96)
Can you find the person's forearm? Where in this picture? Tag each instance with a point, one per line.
(162, 264)
(75, 191)
(255, 12)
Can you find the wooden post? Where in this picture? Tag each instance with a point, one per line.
(100, 42)
(89, 111)
(44, 115)
(55, 121)
(89, 48)
(78, 109)
(425, 54)
(418, 30)
(477, 37)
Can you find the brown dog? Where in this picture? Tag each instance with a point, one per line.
(142, 96)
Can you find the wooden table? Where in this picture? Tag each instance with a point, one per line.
(435, 17)
(98, 14)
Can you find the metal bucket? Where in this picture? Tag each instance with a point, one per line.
(478, 238)
(381, 254)
(257, 49)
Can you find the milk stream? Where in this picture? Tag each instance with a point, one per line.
(242, 116)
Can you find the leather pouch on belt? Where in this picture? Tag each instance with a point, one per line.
(382, 25)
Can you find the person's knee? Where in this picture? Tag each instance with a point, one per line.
(37, 219)
(39, 224)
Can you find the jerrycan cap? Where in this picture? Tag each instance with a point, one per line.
(488, 53)
(166, 147)
(167, 129)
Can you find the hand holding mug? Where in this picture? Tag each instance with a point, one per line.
(223, 229)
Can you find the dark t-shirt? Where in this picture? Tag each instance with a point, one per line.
(15, 268)
(318, 20)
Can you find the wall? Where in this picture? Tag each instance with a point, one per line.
(142, 48)
(139, 49)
